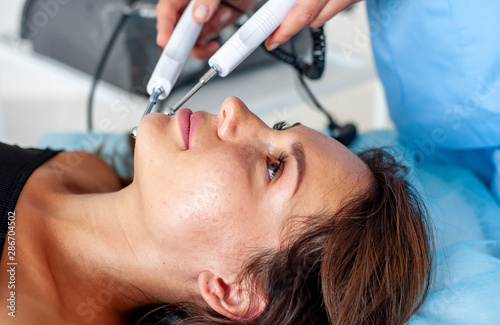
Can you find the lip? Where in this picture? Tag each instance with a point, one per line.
(195, 120)
(184, 120)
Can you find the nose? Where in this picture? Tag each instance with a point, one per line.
(237, 122)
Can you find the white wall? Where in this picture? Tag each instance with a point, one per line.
(10, 16)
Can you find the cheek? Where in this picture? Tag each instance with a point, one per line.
(208, 203)
(212, 218)
(204, 208)
(200, 202)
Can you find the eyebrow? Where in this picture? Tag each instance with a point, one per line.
(300, 157)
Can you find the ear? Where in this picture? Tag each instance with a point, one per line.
(229, 299)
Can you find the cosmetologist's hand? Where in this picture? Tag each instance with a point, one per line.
(215, 17)
(313, 13)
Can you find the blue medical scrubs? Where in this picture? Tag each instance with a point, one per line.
(439, 62)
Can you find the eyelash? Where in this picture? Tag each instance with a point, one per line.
(280, 126)
(273, 172)
(281, 159)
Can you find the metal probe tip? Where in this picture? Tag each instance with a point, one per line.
(209, 75)
(153, 99)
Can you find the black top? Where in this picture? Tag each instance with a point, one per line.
(16, 166)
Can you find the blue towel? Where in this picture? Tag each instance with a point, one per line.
(466, 218)
(114, 148)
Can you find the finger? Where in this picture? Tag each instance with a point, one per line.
(168, 13)
(222, 18)
(331, 9)
(203, 10)
(227, 14)
(301, 15)
(204, 52)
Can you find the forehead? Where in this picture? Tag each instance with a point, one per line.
(332, 174)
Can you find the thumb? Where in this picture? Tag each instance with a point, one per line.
(203, 10)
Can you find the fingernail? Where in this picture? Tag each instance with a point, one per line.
(158, 38)
(225, 16)
(201, 12)
(273, 46)
(202, 42)
(214, 46)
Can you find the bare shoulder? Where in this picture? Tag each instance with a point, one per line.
(76, 172)
(65, 173)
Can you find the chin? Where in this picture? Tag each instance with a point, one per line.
(153, 125)
(154, 141)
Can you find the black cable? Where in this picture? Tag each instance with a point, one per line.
(313, 70)
(317, 67)
(344, 134)
(101, 66)
(300, 72)
(331, 125)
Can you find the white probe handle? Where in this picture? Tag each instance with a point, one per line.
(250, 35)
(176, 53)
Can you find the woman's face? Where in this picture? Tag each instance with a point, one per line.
(213, 188)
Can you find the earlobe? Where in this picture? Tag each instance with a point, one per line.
(229, 299)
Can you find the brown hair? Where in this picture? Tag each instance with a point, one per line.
(369, 263)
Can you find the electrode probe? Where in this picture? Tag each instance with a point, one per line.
(246, 39)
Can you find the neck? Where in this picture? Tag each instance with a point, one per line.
(102, 258)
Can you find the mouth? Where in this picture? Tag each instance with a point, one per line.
(184, 120)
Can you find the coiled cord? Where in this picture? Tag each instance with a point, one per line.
(313, 70)
(344, 134)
